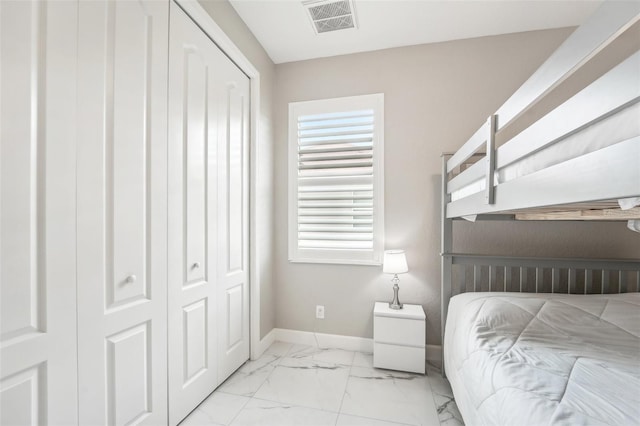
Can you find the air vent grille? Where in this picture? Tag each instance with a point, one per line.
(330, 10)
(333, 24)
(328, 15)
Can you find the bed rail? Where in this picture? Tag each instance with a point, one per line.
(598, 61)
(566, 67)
(539, 275)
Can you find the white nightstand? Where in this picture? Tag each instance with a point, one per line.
(399, 337)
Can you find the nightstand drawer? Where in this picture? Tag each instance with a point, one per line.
(402, 358)
(398, 331)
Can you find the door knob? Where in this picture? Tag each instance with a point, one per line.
(130, 279)
(196, 265)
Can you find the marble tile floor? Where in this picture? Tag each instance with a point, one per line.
(303, 385)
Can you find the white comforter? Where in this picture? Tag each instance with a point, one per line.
(531, 359)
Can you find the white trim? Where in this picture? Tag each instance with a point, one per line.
(200, 16)
(322, 340)
(265, 343)
(336, 341)
(337, 256)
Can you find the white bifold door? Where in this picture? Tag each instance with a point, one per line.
(121, 161)
(37, 213)
(208, 216)
(124, 180)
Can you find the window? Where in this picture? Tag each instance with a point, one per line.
(336, 180)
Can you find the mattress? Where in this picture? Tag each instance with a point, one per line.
(616, 128)
(532, 359)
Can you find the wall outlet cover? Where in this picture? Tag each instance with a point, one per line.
(320, 312)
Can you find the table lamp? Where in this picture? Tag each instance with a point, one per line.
(395, 263)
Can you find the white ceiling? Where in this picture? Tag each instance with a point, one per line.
(284, 28)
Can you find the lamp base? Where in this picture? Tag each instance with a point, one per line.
(395, 303)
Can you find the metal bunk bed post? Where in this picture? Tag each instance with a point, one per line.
(446, 241)
(490, 190)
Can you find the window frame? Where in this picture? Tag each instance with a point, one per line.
(337, 256)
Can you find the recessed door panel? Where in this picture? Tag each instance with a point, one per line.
(128, 362)
(195, 340)
(21, 165)
(21, 398)
(38, 46)
(121, 211)
(127, 146)
(235, 175)
(195, 146)
(235, 312)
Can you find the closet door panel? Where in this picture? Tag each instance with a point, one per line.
(195, 143)
(121, 212)
(128, 173)
(38, 45)
(192, 216)
(233, 139)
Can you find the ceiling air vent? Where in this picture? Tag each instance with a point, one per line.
(331, 15)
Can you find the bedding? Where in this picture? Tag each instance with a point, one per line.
(531, 359)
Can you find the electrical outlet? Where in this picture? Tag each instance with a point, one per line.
(319, 311)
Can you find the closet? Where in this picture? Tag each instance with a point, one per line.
(208, 188)
(123, 213)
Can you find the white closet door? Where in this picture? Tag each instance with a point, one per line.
(37, 213)
(208, 128)
(232, 88)
(122, 78)
(192, 216)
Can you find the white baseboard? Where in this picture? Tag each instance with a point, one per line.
(336, 341)
(322, 340)
(434, 352)
(264, 344)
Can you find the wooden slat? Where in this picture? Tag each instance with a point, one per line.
(476, 276)
(539, 274)
(571, 285)
(613, 90)
(555, 279)
(604, 285)
(462, 279)
(468, 149)
(600, 215)
(588, 281)
(622, 284)
(598, 32)
(490, 277)
(507, 278)
(471, 174)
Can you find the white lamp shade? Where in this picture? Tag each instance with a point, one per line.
(394, 262)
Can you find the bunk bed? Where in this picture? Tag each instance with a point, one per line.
(532, 340)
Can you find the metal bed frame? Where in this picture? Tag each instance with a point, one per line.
(600, 60)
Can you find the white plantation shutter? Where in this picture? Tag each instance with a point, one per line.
(335, 196)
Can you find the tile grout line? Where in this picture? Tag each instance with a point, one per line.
(345, 388)
(253, 395)
(280, 358)
(238, 413)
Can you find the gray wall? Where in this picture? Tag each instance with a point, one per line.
(436, 96)
(226, 17)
